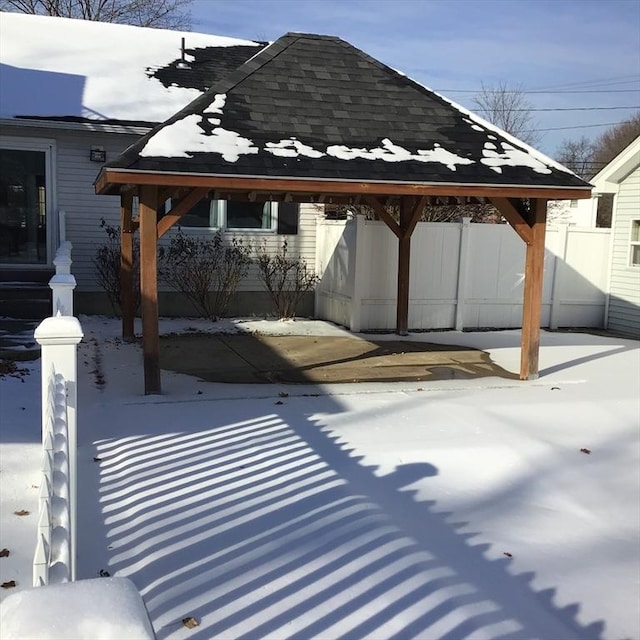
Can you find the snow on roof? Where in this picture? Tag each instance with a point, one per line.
(313, 106)
(63, 67)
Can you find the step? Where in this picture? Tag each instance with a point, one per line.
(26, 300)
(17, 275)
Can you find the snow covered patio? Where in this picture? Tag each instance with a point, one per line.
(484, 508)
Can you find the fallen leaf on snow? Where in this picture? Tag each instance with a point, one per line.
(4, 553)
(8, 585)
(585, 450)
(509, 555)
(190, 622)
(22, 512)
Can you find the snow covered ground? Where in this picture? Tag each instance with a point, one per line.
(484, 508)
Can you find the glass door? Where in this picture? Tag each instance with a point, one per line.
(23, 206)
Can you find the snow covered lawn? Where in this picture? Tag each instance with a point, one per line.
(484, 508)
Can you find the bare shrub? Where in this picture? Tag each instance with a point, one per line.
(207, 271)
(285, 278)
(106, 262)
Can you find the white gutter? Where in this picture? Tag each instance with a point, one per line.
(95, 126)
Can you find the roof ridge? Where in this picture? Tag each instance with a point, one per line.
(263, 57)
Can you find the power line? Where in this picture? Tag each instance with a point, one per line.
(559, 109)
(605, 82)
(516, 91)
(580, 126)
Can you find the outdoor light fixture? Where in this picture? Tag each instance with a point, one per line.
(182, 63)
(97, 154)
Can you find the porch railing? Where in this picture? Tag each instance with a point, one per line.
(55, 555)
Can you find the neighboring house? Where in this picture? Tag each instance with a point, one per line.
(621, 177)
(74, 94)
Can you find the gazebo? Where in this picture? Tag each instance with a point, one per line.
(313, 119)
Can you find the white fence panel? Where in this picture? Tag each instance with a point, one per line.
(580, 278)
(496, 280)
(462, 276)
(335, 264)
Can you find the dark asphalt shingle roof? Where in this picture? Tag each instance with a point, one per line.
(341, 104)
(206, 66)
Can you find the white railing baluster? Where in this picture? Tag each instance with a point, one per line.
(56, 542)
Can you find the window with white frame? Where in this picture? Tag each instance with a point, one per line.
(634, 248)
(223, 214)
(230, 215)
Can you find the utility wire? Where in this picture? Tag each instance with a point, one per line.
(515, 91)
(579, 126)
(559, 109)
(626, 79)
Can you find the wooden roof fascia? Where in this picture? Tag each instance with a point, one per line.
(110, 181)
(514, 217)
(181, 208)
(383, 214)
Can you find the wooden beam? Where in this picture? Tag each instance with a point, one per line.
(181, 208)
(149, 288)
(414, 216)
(514, 218)
(533, 280)
(404, 268)
(383, 214)
(110, 179)
(127, 297)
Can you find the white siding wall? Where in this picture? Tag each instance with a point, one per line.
(75, 193)
(84, 209)
(624, 291)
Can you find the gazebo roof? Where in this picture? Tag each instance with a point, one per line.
(312, 107)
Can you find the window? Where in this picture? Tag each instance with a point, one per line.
(634, 249)
(242, 216)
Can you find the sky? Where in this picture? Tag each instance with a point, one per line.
(439, 509)
(580, 57)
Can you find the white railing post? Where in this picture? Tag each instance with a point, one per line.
(62, 225)
(59, 336)
(63, 283)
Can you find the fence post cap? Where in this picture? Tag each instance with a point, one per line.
(62, 280)
(59, 330)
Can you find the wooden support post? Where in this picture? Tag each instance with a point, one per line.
(402, 308)
(149, 288)
(127, 298)
(410, 212)
(533, 279)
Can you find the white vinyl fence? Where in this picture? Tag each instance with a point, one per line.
(463, 276)
(58, 336)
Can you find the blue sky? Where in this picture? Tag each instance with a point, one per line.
(453, 46)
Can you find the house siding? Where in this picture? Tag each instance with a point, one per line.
(624, 291)
(74, 193)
